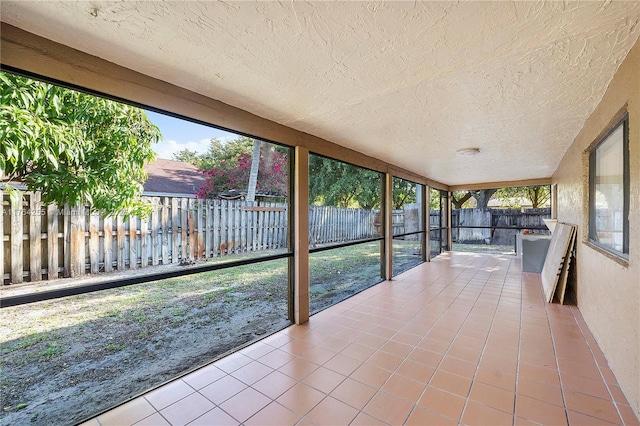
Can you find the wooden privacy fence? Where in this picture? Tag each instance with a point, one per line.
(503, 218)
(45, 242)
(328, 224)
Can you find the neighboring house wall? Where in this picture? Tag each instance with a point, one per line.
(608, 291)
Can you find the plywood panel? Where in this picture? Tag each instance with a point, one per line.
(562, 283)
(555, 258)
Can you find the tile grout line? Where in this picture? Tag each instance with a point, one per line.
(450, 344)
(595, 360)
(482, 352)
(515, 391)
(555, 353)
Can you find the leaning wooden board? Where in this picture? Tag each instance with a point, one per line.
(562, 283)
(554, 261)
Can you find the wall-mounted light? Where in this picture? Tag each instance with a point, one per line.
(468, 152)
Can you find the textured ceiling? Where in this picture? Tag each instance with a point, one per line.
(407, 82)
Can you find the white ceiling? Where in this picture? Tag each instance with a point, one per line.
(406, 82)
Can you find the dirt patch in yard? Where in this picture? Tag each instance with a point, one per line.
(67, 359)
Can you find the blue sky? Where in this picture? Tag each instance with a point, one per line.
(180, 134)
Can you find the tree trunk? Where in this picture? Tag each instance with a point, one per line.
(482, 197)
(457, 204)
(253, 176)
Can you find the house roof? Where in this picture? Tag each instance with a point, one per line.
(174, 177)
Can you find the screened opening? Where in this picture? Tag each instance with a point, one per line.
(408, 225)
(136, 246)
(438, 218)
(345, 230)
(495, 220)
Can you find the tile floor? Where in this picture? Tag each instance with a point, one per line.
(466, 339)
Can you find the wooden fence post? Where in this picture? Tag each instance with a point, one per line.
(52, 241)
(77, 240)
(144, 241)
(200, 248)
(165, 230)
(120, 236)
(184, 226)
(193, 251)
(155, 248)
(4, 212)
(94, 242)
(133, 238)
(107, 244)
(174, 231)
(35, 237)
(16, 241)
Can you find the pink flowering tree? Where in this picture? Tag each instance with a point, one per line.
(234, 175)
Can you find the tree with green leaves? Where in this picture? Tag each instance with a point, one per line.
(334, 183)
(512, 196)
(74, 147)
(538, 195)
(404, 192)
(220, 151)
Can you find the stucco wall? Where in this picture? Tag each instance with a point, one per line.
(608, 291)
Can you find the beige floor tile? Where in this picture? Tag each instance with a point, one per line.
(442, 402)
(629, 417)
(592, 406)
(324, 380)
(404, 388)
(354, 393)
(364, 419)
(318, 355)
(342, 364)
(301, 398)
(252, 372)
(481, 415)
(223, 389)
(273, 414)
(276, 358)
(245, 404)
(426, 357)
(416, 371)
(214, 417)
(331, 412)
(492, 396)
(187, 409)
(578, 419)
(385, 360)
(539, 411)
(371, 375)
(540, 391)
(298, 368)
(204, 376)
(388, 408)
(128, 413)
(587, 386)
(452, 383)
(358, 351)
(421, 417)
(168, 394)
(275, 384)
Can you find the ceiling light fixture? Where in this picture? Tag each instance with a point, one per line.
(468, 152)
